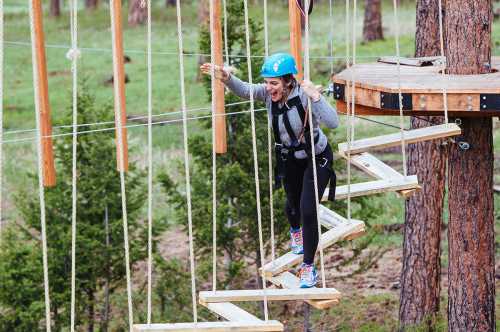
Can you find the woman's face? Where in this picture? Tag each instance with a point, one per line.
(274, 86)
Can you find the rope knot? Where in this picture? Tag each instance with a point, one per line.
(73, 54)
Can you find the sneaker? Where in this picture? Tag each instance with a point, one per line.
(308, 276)
(297, 246)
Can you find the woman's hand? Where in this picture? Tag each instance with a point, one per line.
(219, 72)
(310, 90)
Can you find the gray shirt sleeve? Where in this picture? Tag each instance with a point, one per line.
(325, 113)
(242, 89)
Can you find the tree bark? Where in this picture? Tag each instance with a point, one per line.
(372, 24)
(420, 276)
(137, 14)
(91, 4)
(55, 8)
(471, 285)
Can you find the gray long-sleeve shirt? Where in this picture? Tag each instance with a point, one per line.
(322, 112)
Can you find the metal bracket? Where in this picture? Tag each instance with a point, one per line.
(489, 102)
(339, 91)
(390, 101)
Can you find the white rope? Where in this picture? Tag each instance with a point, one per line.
(41, 190)
(1, 114)
(400, 95)
(330, 7)
(129, 126)
(186, 162)
(226, 47)
(119, 128)
(269, 147)
(74, 70)
(255, 160)
(133, 51)
(21, 131)
(313, 148)
(150, 165)
(214, 152)
(443, 61)
(350, 104)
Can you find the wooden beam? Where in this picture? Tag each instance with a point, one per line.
(119, 79)
(270, 325)
(272, 295)
(288, 280)
(289, 260)
(231, 312)
(294, 19)
(375, 187)
(218, 92)
(411, 136)
(49, 172)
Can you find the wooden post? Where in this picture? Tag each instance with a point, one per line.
(119, 78)
(295, 35)
(49, 172)
(218, 93)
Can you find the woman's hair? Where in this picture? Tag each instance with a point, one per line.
(289, 82)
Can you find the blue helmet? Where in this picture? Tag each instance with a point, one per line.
(278, 64)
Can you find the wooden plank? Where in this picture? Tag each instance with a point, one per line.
(375, 187)
(373, 166)
(417, 62)
(294, 21)
(410, 136)
(119, 79)
(49, 171)
(289, 260)
(218, 86)
(496, 188)
(231, 312)
(455, 102)
(384, 77)
(270, 325)
(272, 295)
(363, 96)
(288, 280)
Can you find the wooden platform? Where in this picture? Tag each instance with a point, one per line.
(272, 294)
(262, 326)
(376, 90)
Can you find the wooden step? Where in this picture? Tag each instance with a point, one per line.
(231, 312)
(270, 325)
(288, 280)
(289, 260)
(375, 167)
(375, 187)
(410, 136)
(271, 294)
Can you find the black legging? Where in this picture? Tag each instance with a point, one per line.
(299, 187)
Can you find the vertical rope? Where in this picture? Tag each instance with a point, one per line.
(226, 47)
(313, 148)
(443, 61)
(350, 114)
(186, 161)
(330, 7)
(150, 165)
(1, 115)
(255, 160)
(214, 153)
(74, 70)
(119, 128)
(400, 95)
(41, 190)
(269, 147)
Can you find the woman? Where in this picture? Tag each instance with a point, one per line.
(287, 101)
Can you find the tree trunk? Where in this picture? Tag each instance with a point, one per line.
(90, 311)
(471, 284)
(55, 8)
(420, 276)
(137, 14)
(91, 4)
(372, 24)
